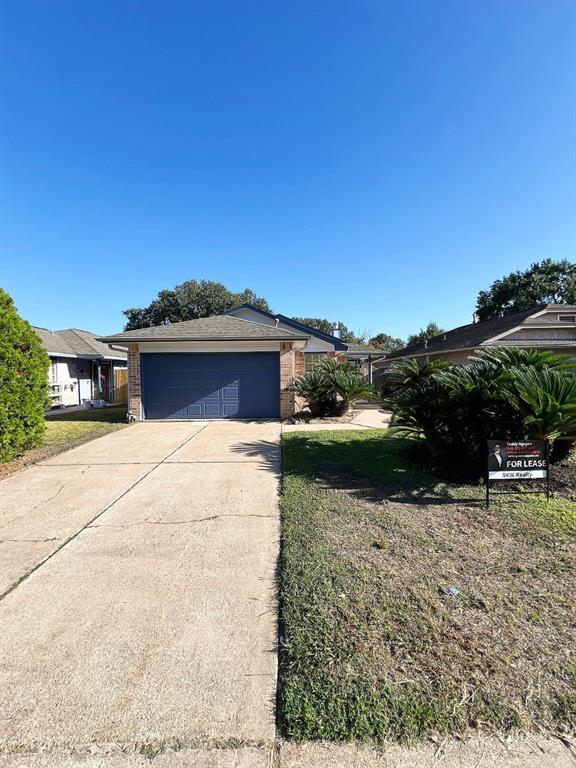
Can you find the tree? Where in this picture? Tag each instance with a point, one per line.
(23, 383)
(189, 301)
(387, 342)
(431, 330)
(545, 282)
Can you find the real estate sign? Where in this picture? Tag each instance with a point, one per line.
(520, 460)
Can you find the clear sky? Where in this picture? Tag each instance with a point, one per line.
(376, 162)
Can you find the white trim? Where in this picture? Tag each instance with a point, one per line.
(207, 346)
(540, 312)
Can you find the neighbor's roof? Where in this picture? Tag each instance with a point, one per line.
(285, 320)
(364, 349)
(466, 336)
(73, 342)
(215, 328)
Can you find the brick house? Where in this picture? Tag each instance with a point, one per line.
(237, 365)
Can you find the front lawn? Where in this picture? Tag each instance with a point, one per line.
(66, 430)
(372, 647)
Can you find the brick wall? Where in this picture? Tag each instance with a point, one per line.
(134, 391)
(299, 368)
(287, 373)
(299, 362)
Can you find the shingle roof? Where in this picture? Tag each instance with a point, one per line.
(53, 341)
(73, 342)
(466, 336)
(215, 328)
(285, 320)
(363, 349)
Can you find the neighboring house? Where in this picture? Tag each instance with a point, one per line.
(237, 365)
(551, 327)
(81, 368)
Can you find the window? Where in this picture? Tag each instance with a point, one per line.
(567, 318)
(312, 359)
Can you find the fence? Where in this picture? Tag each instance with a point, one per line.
(120, 386)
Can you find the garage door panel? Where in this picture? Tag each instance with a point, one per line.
(209, 385)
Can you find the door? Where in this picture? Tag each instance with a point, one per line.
(210, 385)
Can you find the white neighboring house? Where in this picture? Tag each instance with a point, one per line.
(81, 368)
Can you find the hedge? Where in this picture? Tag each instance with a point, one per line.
(23, 383)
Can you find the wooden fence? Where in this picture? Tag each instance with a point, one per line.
(120, 386)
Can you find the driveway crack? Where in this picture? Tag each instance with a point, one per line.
(175, 522)
(27, 541)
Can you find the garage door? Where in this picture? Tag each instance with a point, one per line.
(214, 386)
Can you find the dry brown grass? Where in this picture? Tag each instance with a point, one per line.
(367, 561)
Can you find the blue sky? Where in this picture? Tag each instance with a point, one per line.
(374, 162)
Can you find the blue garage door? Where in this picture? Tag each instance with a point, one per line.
(211, 386)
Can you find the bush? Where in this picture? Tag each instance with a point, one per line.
(23, 383)
(506, 394)
(331, 388)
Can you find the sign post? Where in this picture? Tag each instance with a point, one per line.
(517, 460)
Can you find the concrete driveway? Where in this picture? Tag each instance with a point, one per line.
(138, 591)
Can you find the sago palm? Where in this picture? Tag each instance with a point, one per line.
(512, 357)
(546, 400)
(314, 387)
(350, 386)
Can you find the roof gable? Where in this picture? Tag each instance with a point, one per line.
(307, 329)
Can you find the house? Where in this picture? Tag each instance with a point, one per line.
(236, 365)
(552, 327)
(81, 367)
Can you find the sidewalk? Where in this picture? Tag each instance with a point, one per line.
(368, 418)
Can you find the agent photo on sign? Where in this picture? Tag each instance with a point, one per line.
(497, 459)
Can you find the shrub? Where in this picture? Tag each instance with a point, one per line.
(350, 387)
(314, 387)
(505, 394)
(408, 373)
(331, 387)
(23, 383)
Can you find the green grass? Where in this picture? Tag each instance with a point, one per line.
(371, 649)
(111, 415)
(65, 430)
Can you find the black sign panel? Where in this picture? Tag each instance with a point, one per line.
(520, 460)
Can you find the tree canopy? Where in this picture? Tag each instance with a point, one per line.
(545, 282)
(325, 326)
(203, 298)
(189, 301)
(431, 330)
(386, 341)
